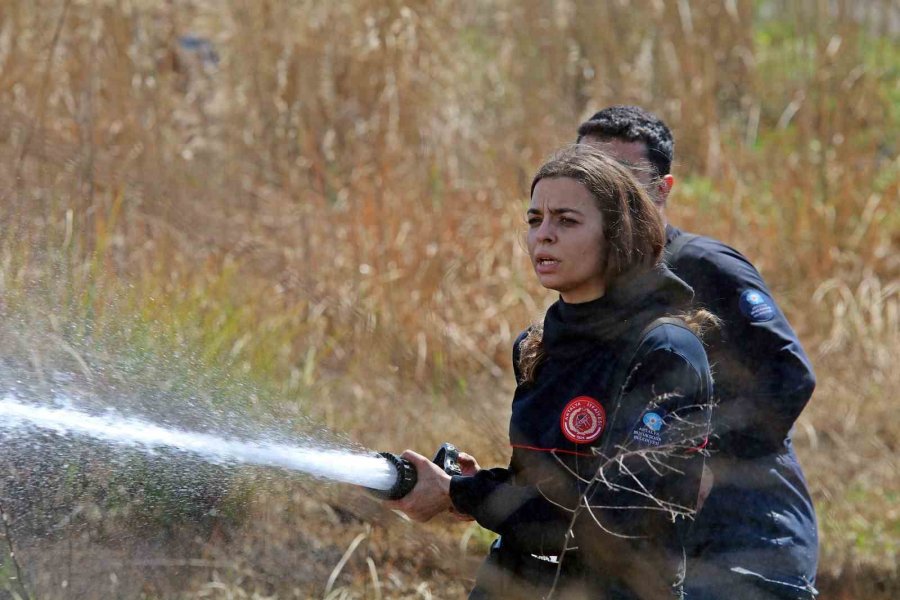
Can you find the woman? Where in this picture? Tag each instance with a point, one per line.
(610, 412)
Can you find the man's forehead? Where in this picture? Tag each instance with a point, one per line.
(633, 152)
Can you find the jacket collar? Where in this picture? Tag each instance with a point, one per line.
(632, 302)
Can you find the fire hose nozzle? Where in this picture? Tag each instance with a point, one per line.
(406, 477)
(447, 458)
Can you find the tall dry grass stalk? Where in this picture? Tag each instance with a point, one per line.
(333, 203)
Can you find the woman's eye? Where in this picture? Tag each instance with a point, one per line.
(534, 221)
(567, 221)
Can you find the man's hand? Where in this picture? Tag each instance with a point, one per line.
(431, 494)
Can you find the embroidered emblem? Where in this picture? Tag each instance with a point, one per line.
(756, 306)
(648, 430)
(582, 420)
(653, 421)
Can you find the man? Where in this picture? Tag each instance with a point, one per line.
(755, 535)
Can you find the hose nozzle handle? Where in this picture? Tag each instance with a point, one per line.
(447, 458)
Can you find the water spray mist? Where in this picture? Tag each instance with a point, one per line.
(386, 475)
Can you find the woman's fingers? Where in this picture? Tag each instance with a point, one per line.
(413, 457)
(430, 496)
(468, 464)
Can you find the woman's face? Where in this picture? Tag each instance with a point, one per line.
(565, 239)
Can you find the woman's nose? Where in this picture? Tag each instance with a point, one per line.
(546, 232)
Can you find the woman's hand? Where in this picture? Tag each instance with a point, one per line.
(469, 467)
(430, 496)
(468, 464)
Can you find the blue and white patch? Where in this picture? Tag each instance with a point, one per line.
(653, 421)
(756, 306)
(648, 431)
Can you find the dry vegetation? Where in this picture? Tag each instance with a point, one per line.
(330, 211)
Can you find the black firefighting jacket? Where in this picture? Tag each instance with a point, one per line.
(758, 526)
(605, 441)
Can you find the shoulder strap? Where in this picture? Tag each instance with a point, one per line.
(674, 249)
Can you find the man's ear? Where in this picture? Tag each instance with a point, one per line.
(664, 188)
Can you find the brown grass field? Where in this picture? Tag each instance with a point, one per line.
(327, 216)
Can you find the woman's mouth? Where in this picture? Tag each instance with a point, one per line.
(545, 264)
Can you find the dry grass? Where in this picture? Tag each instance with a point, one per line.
(333, 213)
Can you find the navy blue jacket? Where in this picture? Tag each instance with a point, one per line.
(758, 523)
(613, 418)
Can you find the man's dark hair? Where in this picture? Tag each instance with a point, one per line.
(634, 124)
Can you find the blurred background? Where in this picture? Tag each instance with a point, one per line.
(312, 213)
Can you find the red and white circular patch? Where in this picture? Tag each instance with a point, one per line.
(582, 420)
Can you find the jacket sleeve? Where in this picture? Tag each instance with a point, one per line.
(651, 464)
(763, 377)
(521, 514)
(525, 518)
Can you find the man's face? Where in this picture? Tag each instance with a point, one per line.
(634, 154)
